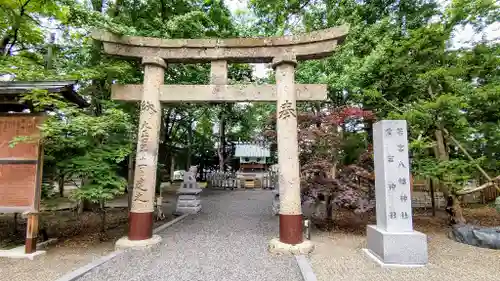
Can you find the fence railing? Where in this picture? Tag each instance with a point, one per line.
(421, 196)
(221, 180)
(231, 180)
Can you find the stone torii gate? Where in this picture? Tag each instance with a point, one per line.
(282, 52)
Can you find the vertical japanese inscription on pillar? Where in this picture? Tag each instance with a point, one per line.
(139, 185)
(19, 163)
(147, 137)
(144, 134)
(148, 107)
(392, 175)
(142, 195)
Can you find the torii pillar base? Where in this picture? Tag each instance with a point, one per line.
(278, 247)
(125, 243)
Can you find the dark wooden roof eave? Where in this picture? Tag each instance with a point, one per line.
(14, 89)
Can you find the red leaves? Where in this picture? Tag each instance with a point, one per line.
(320, 143)
(330, 116)
(343, 115)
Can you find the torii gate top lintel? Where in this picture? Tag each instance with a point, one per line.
(313, 45)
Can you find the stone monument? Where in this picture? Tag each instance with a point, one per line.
(188, 195)
(393, 242)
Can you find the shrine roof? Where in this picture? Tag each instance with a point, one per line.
(251, 149)
(11, 91)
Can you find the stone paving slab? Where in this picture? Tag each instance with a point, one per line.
(227, 240)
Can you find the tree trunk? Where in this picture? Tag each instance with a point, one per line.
(13, 34)
(333, 171)
(457, 207)
(433, 197)
(160, 166)
(222, 141)
(172, 169)
(61, 185)
(317, 111)
(329, 207)
(97, 84)
(116, 9)
(453, 208)
(441, 154)
(202, 171)
(102, 209)
(3, 44)
(166, 153)
(368, 125)
(80, 205)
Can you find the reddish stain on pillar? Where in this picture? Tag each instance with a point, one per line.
(140, 226)
(291, 229)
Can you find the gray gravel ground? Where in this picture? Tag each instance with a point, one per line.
(226, 241)
(339, 257)
(59, 260)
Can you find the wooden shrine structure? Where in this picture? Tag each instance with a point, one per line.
(21, 165)
(252, 156)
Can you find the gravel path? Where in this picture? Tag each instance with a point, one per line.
(70, 253)
(226, 241)
(59, 260)
(339, 257)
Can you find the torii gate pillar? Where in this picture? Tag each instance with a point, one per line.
(140, 231)
(290, 218)
(288, 151)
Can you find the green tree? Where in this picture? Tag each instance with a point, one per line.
(397, 62)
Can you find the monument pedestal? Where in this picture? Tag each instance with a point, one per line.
(188, 196)
(398, 249)
(188, 201)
